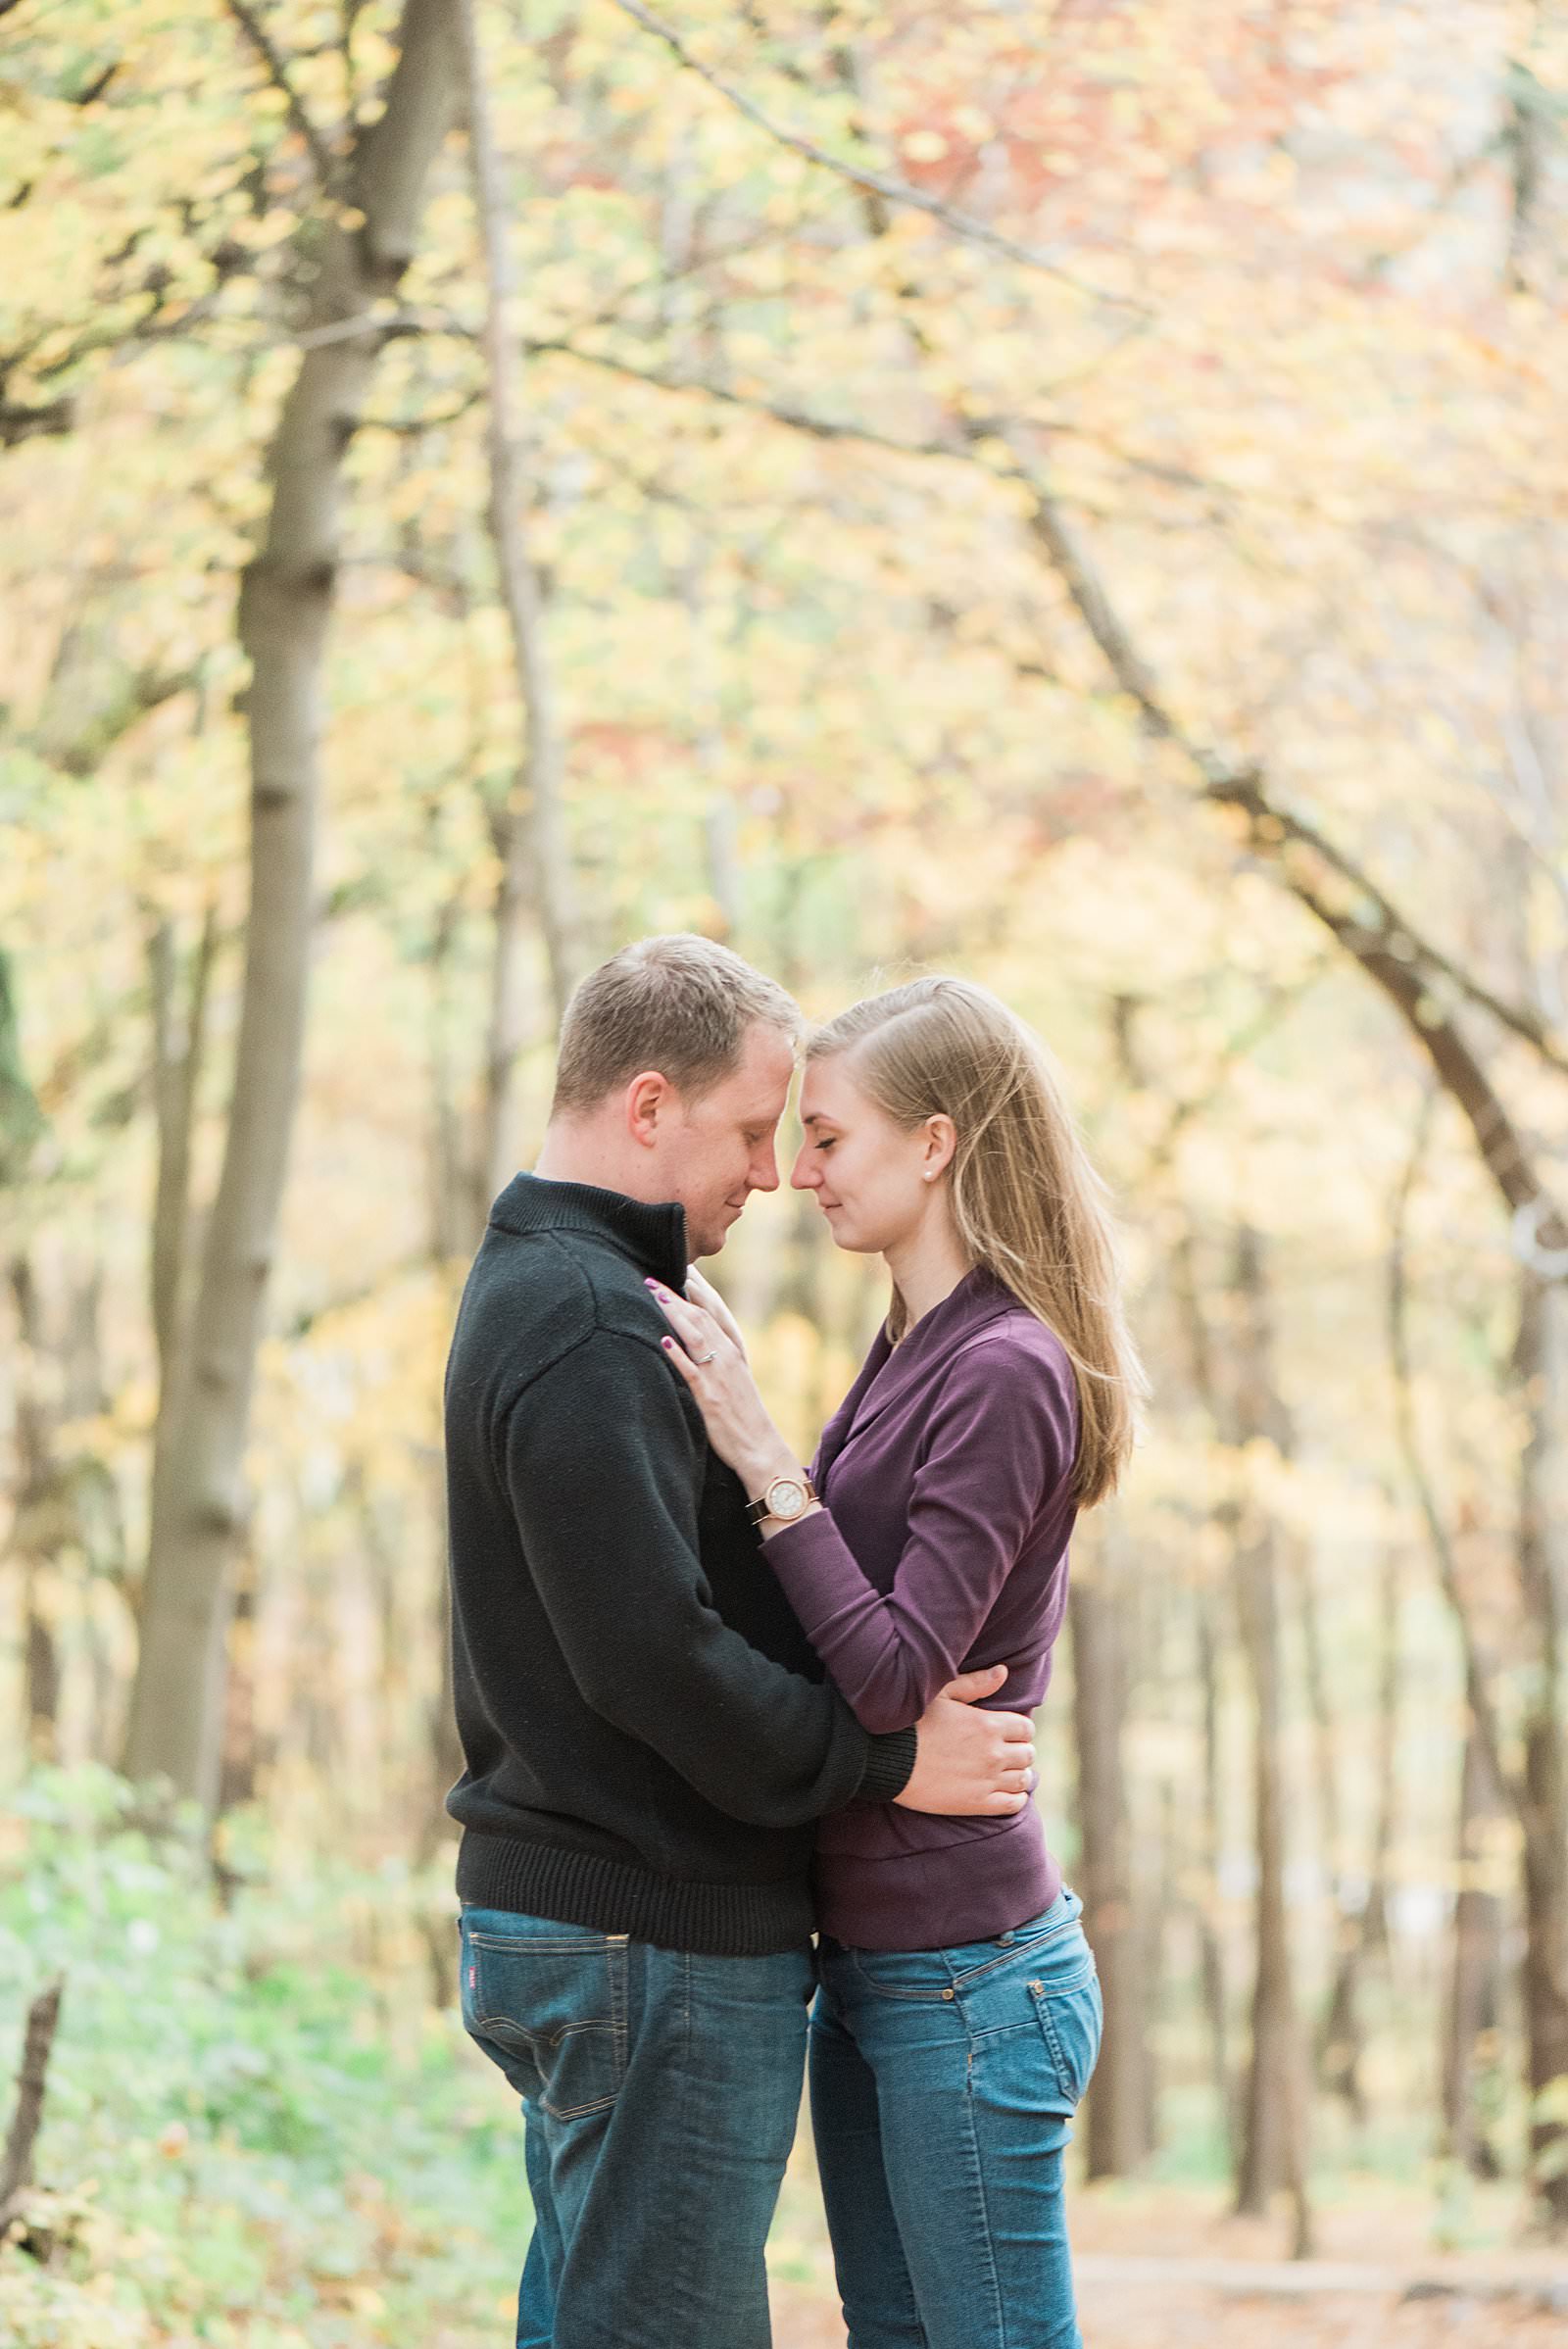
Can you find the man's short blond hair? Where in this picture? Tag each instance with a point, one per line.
(679, 1004)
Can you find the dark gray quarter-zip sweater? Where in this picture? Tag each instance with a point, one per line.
(647, 1737)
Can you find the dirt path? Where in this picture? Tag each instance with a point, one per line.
(1163, 2308)
(1168, 2270)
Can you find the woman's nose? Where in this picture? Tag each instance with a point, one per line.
(803, 1176)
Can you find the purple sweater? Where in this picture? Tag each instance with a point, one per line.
(946, 1476)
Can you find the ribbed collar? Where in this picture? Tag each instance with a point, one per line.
(653, 1236)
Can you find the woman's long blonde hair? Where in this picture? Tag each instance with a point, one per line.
(1027, 1203)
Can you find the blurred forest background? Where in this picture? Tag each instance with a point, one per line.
(1072, 491)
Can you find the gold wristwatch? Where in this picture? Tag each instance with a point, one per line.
(786, 1498)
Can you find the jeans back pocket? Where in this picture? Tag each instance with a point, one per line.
(547, 2005)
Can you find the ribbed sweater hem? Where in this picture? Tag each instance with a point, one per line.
(582, 1887)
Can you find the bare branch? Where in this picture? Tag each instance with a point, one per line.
(1387, 925)
(797, 420)
(388, 322)
(877, 183)
(260, 40)
(1413, 974)
(415, 424)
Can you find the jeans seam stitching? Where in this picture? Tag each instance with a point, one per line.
(1019, 1950)
(957, 1982)
(513, 1942)
(616, 1958)
(685, 2203)
(537, 2039)
(1000, 2319)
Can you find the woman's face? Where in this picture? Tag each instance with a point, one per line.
(869, 1176)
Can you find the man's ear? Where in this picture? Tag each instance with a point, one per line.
(646, 1098)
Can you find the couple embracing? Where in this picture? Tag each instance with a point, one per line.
(712, 1704)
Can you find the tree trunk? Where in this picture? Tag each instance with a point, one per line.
(1183, 1271)
(444, 1745)
(1338, 2044)
(21, 1118)
(16, 2161)
(1540, 1367)
(1273, 2151)
(455, 1210)
(40, 1519)
(178, 1050)
(1268, 2154)
(1210, 1949)
(1472, 2008)
(285, 607)
(508, 1023)
(532, 841)
(1365, 1935)
(1118, 2101)
(237, 1771)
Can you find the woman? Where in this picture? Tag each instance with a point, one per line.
(959, 2016)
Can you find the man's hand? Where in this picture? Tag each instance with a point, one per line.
(969, 1764)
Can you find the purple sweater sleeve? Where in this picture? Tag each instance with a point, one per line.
(1002, 1435)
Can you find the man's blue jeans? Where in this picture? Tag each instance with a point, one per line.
(661, 2093)
(943, 2085)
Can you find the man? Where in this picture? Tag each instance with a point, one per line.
(647, 1737)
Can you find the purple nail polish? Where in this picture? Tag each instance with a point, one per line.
(669, 1344)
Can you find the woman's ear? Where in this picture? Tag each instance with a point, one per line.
(941, 1141)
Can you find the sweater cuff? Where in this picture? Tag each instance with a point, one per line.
(889, 1766)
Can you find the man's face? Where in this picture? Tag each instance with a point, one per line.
(719, 1149)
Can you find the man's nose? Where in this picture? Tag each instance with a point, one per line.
(764, 1171)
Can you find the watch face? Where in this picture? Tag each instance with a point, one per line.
(785, 1497)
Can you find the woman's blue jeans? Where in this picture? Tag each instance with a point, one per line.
(943, 2088)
